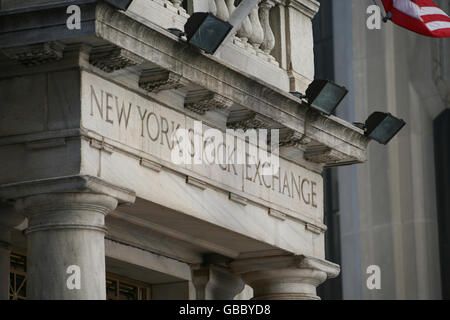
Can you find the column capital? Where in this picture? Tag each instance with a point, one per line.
(75, 183)
(66, 211)
(285, 277)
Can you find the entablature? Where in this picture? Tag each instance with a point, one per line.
(123, 49)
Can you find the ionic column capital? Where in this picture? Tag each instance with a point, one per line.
(285, 277)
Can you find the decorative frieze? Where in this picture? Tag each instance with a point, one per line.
(37, 54)
(156, 80)
(110, 59)
(202, 101)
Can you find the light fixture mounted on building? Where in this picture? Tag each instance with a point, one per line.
(120, 4)
(382, 127)
(323, 95)
(205, 31)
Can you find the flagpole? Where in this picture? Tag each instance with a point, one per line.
(387, 16)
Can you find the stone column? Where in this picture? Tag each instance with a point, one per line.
(8, 220)
(65, 239)
(216, 283)
(285, 277)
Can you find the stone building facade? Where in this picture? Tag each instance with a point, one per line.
(88, 187)
(391, 211)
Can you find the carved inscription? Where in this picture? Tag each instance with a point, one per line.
(126, 117)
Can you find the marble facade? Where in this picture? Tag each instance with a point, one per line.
(85, 120)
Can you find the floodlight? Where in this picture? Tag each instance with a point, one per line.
(382, 127)
(120, 4)
(206, 31)
(325, 96)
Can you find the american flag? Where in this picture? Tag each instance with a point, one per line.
(421, 16)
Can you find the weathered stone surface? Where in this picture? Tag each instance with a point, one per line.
(156, 80)
(81, 138)
(110, 59)
(130, 121)
(70, 226)
(285, 277)
(35, 55)
(202, 101)
(216, 283)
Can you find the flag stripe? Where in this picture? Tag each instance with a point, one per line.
(431, 10)
(432, 18)
(408, 7)
(421, 16)
(438, 25)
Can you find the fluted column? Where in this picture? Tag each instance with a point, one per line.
(9, 219)
(216, 283)
(65, 239)
(285, 277)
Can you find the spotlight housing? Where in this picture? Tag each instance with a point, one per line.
(120, 4)
(325, 96)
(382, 127)
(206, 31)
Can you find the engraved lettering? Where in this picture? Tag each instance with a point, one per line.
(122, 112)
(142, 117)
(108, 107)
(99, 105)
(303, 192)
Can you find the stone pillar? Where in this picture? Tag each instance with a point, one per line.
(285, 277)
(299, 43)
(8, 220)
(65, 239)
(216, 283)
